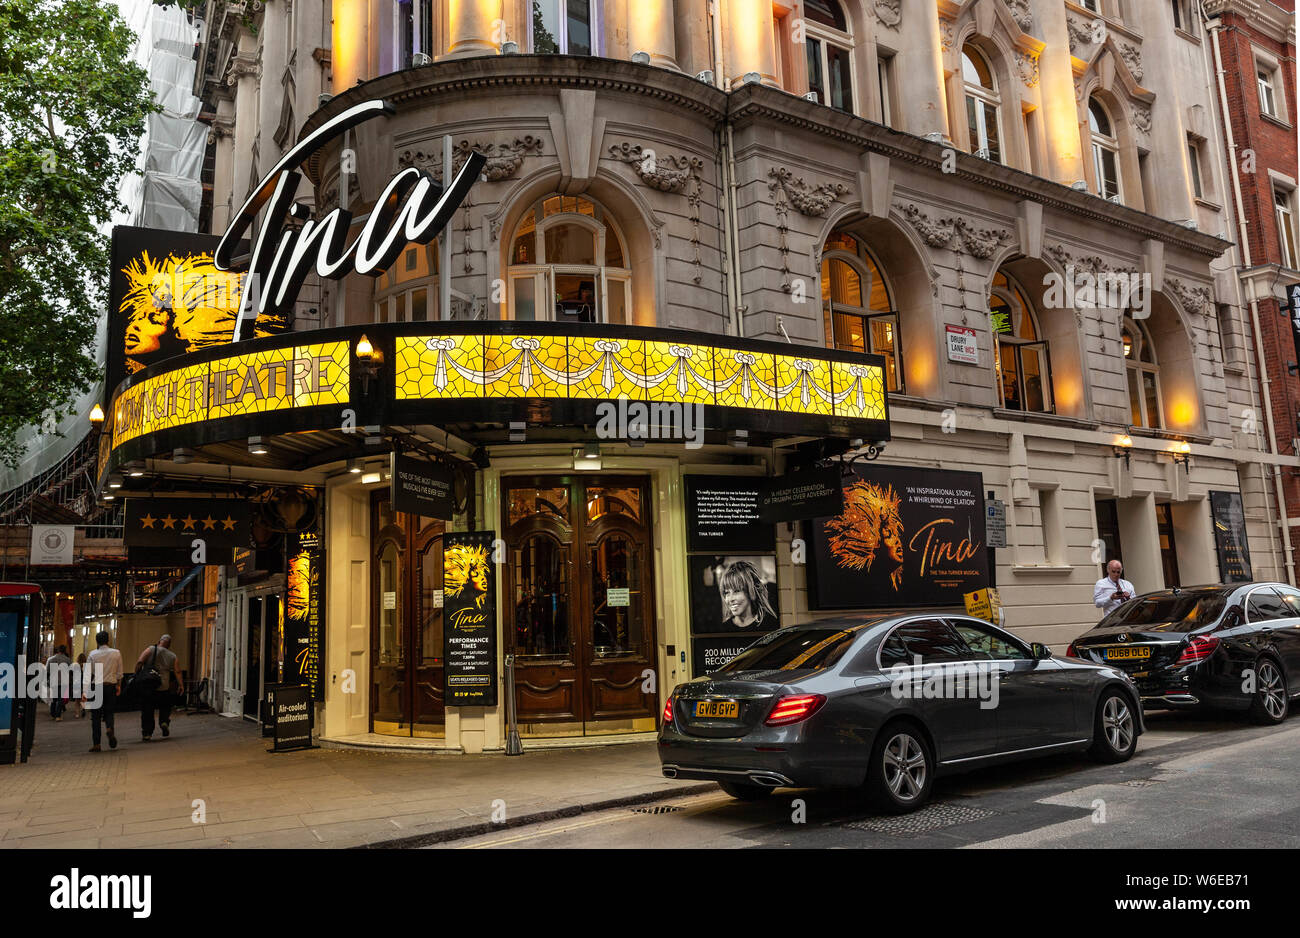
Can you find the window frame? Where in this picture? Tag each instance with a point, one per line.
(1006, 294)
(825, 35)
(422, 18)
(1264, 80)
(1135, 364)
(918, 620)
(992, 631)
(1284, 215)
(983, 98)
(562, 40)
(1102, 143)
(1194, 164)
(830, 309)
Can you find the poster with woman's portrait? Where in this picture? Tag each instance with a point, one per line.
(733, 593)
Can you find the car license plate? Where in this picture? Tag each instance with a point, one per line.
(718, 709)
(1121, 654)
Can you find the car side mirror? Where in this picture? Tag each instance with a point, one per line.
(1040, 650)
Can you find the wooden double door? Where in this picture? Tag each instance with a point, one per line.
(578, 609)
(406, 639)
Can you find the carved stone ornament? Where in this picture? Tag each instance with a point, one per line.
(1087, 264)
(1195, 300)
(958, 234)
(1021, 13)
(220, 127)
(503, 159)
(889, 12)
(664, 172)
(1080, 33)
(812, 201)
(243, 66)
(1027, 63)
(946, 38)
(1132, 57)
(1142, 117)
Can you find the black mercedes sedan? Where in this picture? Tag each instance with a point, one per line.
(889, 704)
(1233, 647)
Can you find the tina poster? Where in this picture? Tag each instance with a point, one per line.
(905, 537)
(469, 619)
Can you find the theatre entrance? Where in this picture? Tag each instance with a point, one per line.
(578, 609)
(406, 654)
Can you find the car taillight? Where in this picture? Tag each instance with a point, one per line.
(668, 711)
(1199, 647)
(1072, 652)
(793, 709)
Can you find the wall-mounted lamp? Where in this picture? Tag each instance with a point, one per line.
(365, 351)
(369, 359)
(354, 466)
(135, 468)
(115, 481)
(1121, 448)
(1182, 453)
(588, 457)
(372, 477)
(257, 446)
(96, 416)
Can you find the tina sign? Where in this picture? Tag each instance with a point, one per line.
(469, 619)
(905, 537)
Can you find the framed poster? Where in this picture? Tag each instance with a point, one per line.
(469, 619)
(722, 514)
(1230, 537)
(712, 652)
(302, 616)
(733, 593)
(798, 496)
(906, 537)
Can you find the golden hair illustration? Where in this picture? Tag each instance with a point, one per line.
(463, 564)
(299, 585)
(870, 517)
(179, 304)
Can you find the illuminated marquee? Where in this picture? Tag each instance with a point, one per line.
(564, 366)
(238, 385)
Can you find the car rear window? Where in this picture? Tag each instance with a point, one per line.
(1176, 613)
(791, 649)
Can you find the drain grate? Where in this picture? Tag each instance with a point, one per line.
(1142, 782)
(657, 809)
(932, 817)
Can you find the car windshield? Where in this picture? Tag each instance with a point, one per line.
(1180, 612)
(791, 649)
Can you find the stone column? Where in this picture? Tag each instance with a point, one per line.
(475, 27)
(747, 41)
(350, 51)
(650, 29)
(1060, 107)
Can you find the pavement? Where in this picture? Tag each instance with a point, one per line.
(212, 783)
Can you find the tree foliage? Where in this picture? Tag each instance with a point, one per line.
(73, 106)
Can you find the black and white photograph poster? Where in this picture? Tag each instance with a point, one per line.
(733, 593)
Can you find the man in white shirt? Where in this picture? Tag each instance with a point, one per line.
(110, 660)
(1112, 589)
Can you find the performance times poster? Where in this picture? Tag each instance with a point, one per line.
(469, 619)
(905, 537)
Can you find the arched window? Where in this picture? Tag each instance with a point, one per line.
(1024, 369)
(408, 291)
(982, 103)
(1143, 371)
(563, 26)
(828, 44)
(1105, 152)
(859, 306)
(568, 262)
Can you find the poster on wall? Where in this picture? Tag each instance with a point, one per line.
(11, 627)
(905, 537)
(302, 616)
(469, 619)
(733, 593)
(220, 523)
(722, 513)
(711, 653)
(167, 298)
(420, 487)
(798, 496)
(1230, 537)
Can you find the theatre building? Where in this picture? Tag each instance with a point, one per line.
(741, 315)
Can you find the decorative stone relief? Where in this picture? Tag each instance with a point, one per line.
(957, 234)
(1132, 57)
(1142, 117)
(503, 159)
(666, 173)
(1028, 66)
(1195, 300)
(1021, 13)
(889, 12)
(812, 201)
(946, 38)
(1080, 34)
(1088, 264)
(243, 66)
(220, 127)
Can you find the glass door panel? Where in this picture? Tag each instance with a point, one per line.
(390, 707)
(430, 713)
(541, 598)
(616, 608)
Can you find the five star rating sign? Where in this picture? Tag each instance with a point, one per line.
(173, 522)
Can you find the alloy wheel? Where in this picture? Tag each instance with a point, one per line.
(1117, 721)
(1272, 691)
(905, 767)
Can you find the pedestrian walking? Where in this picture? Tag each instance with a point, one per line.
(81, 700)
(59, 685)
(154, 672)
(110, 660)
(1112, 589)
